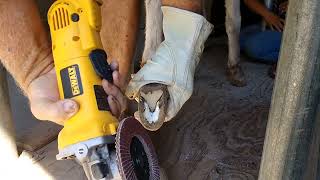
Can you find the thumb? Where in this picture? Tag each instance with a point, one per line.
(55, 111)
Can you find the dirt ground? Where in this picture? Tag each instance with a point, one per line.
(219, 133)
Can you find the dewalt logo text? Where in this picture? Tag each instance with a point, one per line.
(71, 81)
(75, 89)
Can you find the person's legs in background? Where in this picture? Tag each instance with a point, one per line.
(263, 46)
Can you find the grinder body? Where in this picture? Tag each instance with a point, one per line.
(77, 50)
(88, 136)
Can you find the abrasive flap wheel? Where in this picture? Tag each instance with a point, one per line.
(136, 156)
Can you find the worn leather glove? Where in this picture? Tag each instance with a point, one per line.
(174, 62)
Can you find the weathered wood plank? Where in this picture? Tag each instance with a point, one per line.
(7, 135)
(44, 165)
(37, 136)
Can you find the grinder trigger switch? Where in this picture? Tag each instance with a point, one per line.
(98, 59)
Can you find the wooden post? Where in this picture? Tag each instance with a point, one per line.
(292, 142)
(8, 149)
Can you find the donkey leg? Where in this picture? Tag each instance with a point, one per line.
(154, 34)
(233, 25)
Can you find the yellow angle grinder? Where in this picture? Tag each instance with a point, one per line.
(89, 136)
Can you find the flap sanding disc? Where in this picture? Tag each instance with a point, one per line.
(136, 156)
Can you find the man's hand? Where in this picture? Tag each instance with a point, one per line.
(274, 21)
(284, 6)
(46, 104)
(117, 100)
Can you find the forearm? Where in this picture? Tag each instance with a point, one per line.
(190, 5)
(24, 47)
(257, 7)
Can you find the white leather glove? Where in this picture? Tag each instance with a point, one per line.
(175, 61)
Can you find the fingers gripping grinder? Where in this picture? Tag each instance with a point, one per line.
(89, 136)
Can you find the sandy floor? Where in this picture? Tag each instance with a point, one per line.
(219, 133)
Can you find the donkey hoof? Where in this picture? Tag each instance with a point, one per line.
(152, 105)
(236, 76)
